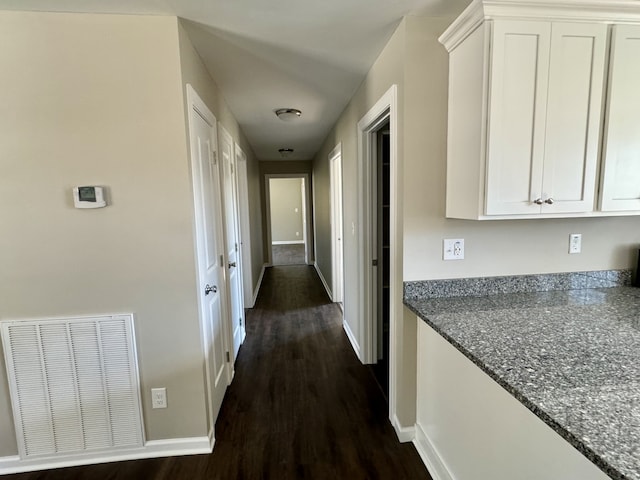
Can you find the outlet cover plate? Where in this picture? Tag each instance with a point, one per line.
(158, 398)
(575, 243)
(453, 249)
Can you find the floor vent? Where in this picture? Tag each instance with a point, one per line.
(74, 385)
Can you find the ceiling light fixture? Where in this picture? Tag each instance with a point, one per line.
(288, 114)
(285, 152)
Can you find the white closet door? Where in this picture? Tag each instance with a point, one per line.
(621, 159)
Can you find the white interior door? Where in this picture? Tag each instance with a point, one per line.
(335, 166)
(245, 226)
(209, 249)
(232, 242)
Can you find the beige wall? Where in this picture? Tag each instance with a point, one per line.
(386, 71)
(418, 64)
(285, 203)
(195, 73)
(96, 99)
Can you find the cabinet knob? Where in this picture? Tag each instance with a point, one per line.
(538, 201)
(549, 201)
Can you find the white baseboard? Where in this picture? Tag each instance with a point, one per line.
(151, 449)
(430, 457)
(405, 434)
(259, 284)
(288, 242)
(352, 339)
(324, 282)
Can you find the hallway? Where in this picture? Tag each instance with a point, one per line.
(301, 406)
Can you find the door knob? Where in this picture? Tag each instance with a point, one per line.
(538, 201)
(208, 289)
(232, 264)
(549, 201)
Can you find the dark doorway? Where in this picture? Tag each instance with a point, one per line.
(382, 183)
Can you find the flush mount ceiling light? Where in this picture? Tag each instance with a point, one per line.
(288, 114)
(285, 152)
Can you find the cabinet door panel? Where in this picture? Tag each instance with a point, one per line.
(621, 159)
(576, 77)
(517, 111)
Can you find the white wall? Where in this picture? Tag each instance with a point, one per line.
(285, 203)
(96, 99)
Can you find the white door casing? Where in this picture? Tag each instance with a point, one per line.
(209, 252)
(232, 240)
(337, 248)
(384, 110)
(245, 226)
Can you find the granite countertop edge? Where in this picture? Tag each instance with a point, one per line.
(524, 400)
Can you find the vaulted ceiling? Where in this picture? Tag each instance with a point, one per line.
(270, 54)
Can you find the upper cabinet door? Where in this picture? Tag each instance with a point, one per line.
(621, 154)
(574, 107)
(517, 113)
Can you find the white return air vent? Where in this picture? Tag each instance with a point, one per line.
(74, 385)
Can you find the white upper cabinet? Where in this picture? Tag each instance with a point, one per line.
(517, 115)
(526, 95)
(621, 153)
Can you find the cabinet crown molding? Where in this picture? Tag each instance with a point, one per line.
(593, 11)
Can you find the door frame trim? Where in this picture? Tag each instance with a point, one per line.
(335, 161)
(385, 109)
(224, 133)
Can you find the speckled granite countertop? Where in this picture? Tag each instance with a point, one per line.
(572, 357)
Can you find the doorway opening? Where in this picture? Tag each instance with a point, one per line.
(287, 226)
(381, 193)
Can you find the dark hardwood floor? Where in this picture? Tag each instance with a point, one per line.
(301, 405)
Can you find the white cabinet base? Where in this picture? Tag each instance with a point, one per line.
(470, 428)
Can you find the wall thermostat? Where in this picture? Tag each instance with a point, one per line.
(88, 197)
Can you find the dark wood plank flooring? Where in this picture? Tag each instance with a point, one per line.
(301, 405)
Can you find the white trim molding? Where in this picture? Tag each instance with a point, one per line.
(385, 109)
(256, 291)
(430, 457)
(287, 242)
(151, 449)
(404, 434)
(322, 279)
(351, 337)
(595, 11)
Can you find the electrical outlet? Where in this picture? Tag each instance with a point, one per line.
(453, 249)
(158, 398)
(297, 234)
(575, 243)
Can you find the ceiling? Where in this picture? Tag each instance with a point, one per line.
(270, 54)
